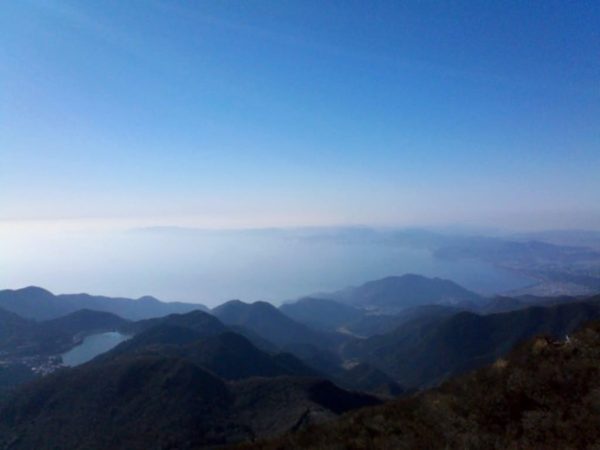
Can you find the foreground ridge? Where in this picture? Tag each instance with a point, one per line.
(545, 394)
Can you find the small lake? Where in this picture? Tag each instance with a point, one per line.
(93, 346)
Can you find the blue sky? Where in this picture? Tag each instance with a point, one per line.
(275, 113)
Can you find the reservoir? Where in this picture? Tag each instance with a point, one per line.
(93, 346)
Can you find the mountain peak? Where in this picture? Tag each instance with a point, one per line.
(404, 291)
(148, 298)
(33, 291)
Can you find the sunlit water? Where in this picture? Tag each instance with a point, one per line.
(93, 346)
(212, 267)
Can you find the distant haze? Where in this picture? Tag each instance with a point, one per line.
(214, 266)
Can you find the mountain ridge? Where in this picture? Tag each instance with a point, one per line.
(40, 304)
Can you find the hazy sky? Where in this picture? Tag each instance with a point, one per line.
(253, 113)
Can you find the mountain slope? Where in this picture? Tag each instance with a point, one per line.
(367, 378)
(124, 403)
(12, 328)
(321, 313)
(505, 304)
(426, 351)
(544, 395)
(226, 354)
(233, 357)
(373, 324)
(85, 321)
(271, 324)
(172, 330)
(199, 321)
(33, 303)
(40, 304)
(150, 402)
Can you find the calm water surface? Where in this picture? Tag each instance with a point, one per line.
(93, 346)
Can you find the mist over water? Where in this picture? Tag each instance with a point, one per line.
(214, 266)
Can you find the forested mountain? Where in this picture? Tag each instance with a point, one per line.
(224, 353)
(25, 337)
(399, 292)
(426, 351)
(543, 395)
(12, 328)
